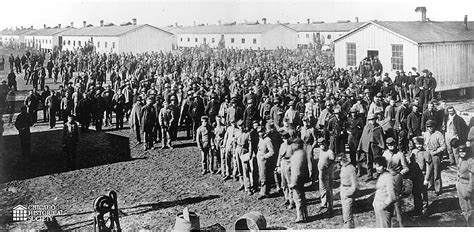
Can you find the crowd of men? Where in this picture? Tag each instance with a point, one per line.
(268, 119)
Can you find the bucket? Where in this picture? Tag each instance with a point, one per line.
(252, 221)
(187, 221)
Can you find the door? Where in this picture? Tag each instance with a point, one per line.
(372, 53)
(60, 43)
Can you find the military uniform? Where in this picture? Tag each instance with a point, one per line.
(204, 137)
(420, 166)
(264, 153)
(326, 176)
(284, 164)
(147, 123)
(166, 119)
(348, 189)
(435, 144)
(299, 174)
(219, 132)
(228, 140)
(308, 136)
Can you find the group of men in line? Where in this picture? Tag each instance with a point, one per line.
(275, 118)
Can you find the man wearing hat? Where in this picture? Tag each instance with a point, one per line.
(371, 143)
(264, 154)
(276, 112)
(234, 112)
(325, 116)
(430, 114)
(309, 138)
(264, 110)
(196, 111)
(435, 145)
(166, 119)
(148, 121)
(348, 189)
(354, 127)
(23, 123)
(326, 175)
(334, 130)
(283, 167)
(292, 115)
(184, 116)
(134, 121)
(70, 139)
(465, 184)
(229, 136)
(455, 128)
(397, 165)
(212, 109)
(414, 122)
(298, 177)
(420, 165)
(204, 137)
(376, 105)
(250, 113)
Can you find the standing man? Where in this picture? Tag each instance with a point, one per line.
(354, 126)
(196, 110)
(385, 196)
(23, 123)
(227, 147)
(465, 184)
(264, 154)
(166, 118)
(12, 80)
(335, 132)
(45, 94)
(49, 67)
(414, 122)
(456, 128)
(204, 137)
(371, 143)
(70, 140)
(148, 122)
(135, 117)
(420, 165)
(326, 176)
(298, 177)
(52, 106)
(284, 168)
(435, 145)
(32, 102)
(348, 189)
(397, 165)
(309, 144)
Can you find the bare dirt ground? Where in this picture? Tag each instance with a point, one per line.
(154, 186)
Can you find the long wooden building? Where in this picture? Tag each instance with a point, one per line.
(444, 48)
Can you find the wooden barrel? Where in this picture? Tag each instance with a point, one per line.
(253, 221)
(182, 224)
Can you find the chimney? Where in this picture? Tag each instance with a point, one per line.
(220, 22)
(422, 9)
(194, 23)
(465, 23)
(356, 19)
(176, 24)
(264, 20)
(278, 21)
(101, 23)
(134, 21)
(308, 20)
(31, 27)
(44, 26)
(84, 24)
(59, 25)
(72, 24)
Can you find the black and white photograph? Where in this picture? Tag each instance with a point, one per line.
(236, 115)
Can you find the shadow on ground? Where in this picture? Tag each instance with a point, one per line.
(47, 157)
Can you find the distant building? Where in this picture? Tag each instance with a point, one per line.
(444, 48)
(44, 39)
(255, 36)
(308, 33)
(14, 38)
(118, 38)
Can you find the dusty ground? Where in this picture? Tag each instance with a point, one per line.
(154, 186)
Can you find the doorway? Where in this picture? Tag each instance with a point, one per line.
(372, 54)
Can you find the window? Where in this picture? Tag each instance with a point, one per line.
(397, 57)
(204, 40)
(243, 40)
(329, 36)
(307, 35)
(64, 42)
(254, 41)
(231, 40)
(73, 43)
(189, 39)
(213, 40)
(195, 40)
(79, 43)
(105, 44)
(69, 42)
(351, 54)
(181, 39)
(98, 44)
(113, 44)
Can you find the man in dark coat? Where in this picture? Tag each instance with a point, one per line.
(148, 121)
(70, 140)
(12, 80)
(250, 114)
(50, 67)
(45, 94)
(414, 123)
(23, 123)
(32, 102)
(371, 143)
(354, 126)
(196, 111)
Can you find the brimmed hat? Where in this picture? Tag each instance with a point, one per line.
(321, 140)
(390, 141)
(430, 123)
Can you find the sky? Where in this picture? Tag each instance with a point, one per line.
(36, 13)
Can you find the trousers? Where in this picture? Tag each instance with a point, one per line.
(326, 177)
(300, 202)
(346, 205)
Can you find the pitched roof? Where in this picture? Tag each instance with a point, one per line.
(172, 29)
(233, 29)
(325, 27)
(47, 32)
(106, 31)
(426, 32)
(15, 32)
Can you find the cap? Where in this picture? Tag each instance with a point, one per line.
(353, 110)
(425, 71)
(379, 95)
(386, 79)
(418, 140)
(462, 148)
(367, 91)
(430, 123)
(305, 118)
(454, 142)
(390, 141)
(371, 117)
(291, 103)
(337, 110)
(204, 117)
(240, 122)
(321, 140)
(250, 101)
(285, 134)
(378, 111)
